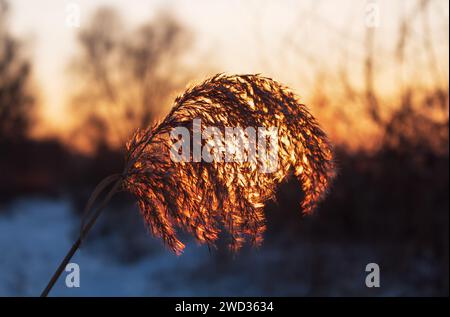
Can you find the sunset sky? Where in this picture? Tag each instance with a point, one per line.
(232, 36)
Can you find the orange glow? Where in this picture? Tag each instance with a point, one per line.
(203, 197)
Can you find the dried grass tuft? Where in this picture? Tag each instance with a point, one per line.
(201, 197)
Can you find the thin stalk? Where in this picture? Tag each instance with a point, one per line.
(85, 230)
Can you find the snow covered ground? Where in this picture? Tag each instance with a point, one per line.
(35, 234)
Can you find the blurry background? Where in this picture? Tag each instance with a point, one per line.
(77, 77)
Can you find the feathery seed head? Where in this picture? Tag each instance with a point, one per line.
(201, 197)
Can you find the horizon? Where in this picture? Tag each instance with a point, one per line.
(230, 37)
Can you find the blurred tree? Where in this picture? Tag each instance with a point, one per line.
(362, 66)
(126, 77)
(16, 102)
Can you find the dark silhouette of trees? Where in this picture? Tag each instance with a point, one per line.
(126, 77)
(16, 101)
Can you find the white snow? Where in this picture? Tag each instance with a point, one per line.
(35, 234)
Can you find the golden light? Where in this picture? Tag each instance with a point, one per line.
(201, 198)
